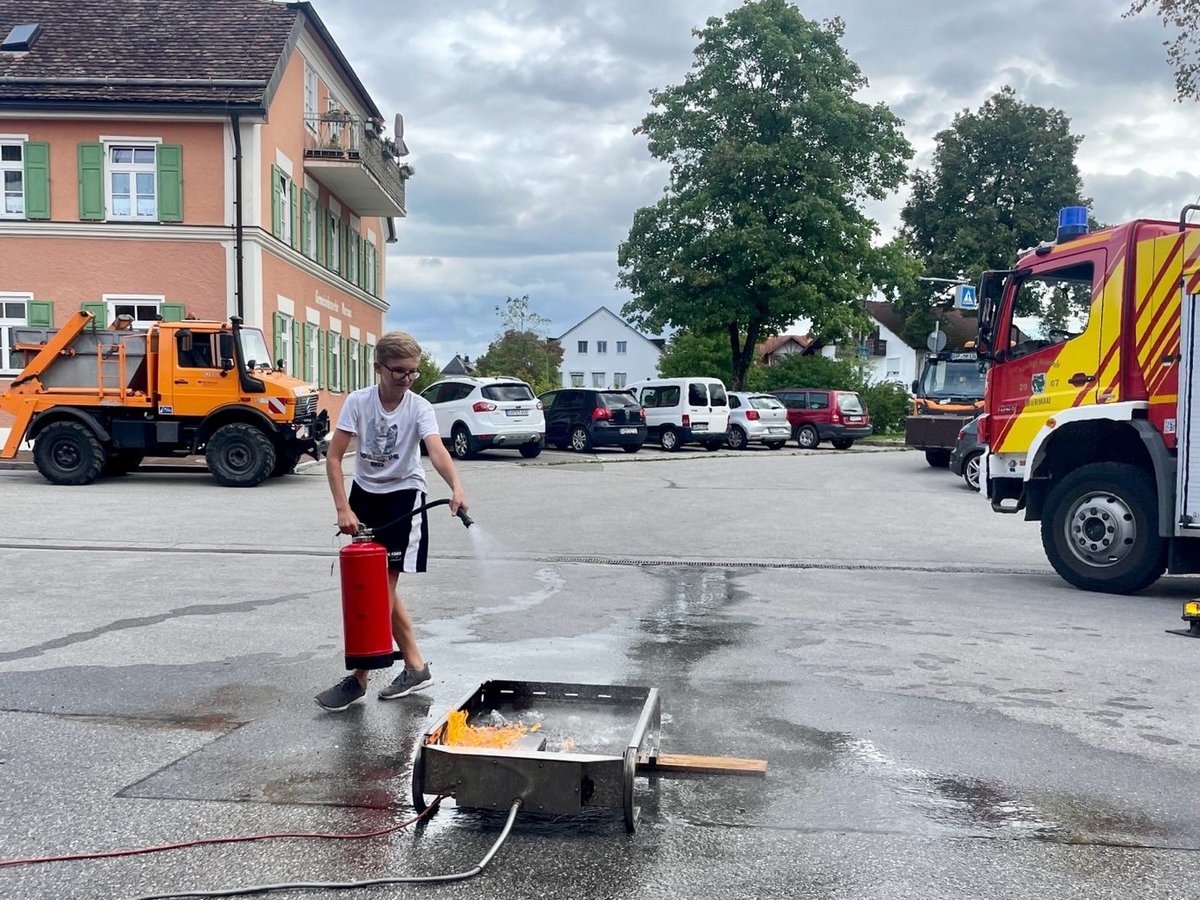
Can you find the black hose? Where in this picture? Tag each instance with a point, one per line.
(348, 885)
(462, 514)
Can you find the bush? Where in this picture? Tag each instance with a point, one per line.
(888, 404)
(806, 372)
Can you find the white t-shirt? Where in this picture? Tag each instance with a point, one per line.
(389, 451)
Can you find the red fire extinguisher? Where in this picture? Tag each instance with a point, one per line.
(366, 610)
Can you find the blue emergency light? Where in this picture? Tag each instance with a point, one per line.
(1072, 222)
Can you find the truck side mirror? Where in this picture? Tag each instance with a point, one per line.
(279, 364)
(916, 386)
(185, 340)
(226, 364)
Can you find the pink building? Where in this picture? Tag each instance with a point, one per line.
(195, 159)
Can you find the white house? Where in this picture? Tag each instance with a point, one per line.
(891, 359)
(605, 351)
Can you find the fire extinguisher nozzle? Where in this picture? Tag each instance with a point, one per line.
(466, 520)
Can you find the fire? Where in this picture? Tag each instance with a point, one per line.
(459, 734)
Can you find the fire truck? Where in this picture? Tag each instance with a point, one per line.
(96, 402)
(1093, 398)
(947, 396)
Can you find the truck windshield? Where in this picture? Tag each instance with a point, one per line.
(949, 379)
(254, 347)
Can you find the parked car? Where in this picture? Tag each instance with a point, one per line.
(756, 418)
(684, 410)
(583, 418)
(967, 455)
(821, 415)
(474, 414)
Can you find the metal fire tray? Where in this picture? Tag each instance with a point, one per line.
(585, 755)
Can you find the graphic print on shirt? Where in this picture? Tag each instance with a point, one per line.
(380, 446)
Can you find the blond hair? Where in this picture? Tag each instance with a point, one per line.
(396, 345)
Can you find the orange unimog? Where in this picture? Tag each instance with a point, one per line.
(1093, 417)
(95, 402)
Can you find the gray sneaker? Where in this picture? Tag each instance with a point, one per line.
(341, 694)
(406, 682)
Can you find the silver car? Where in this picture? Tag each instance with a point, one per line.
(756, 417)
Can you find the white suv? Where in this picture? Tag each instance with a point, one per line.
(476, 413)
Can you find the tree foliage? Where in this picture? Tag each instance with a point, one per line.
(771, 157)
(998, 179)
(704, 355)
(521, 350)
(1183, 51)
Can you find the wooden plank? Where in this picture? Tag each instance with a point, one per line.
(727, 765)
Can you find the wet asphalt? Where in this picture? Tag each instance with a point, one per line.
(941, 715)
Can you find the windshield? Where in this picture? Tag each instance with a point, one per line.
(254, 348)
(946, 379)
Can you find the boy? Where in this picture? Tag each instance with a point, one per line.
(389, 420)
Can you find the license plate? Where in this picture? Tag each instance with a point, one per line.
(853, 418)
(516, 412)
(700, 426)
(777, 431)
(628, 431)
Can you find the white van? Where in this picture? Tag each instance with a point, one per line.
(684, 410)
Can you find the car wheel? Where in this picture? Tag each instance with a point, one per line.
(843, 443)
(807, 437)
(68, 453)
(710, 446)
(669, 439)
(775, 445)
(737, 438)
(461, 444)
(970, 471)
(581, 441)
(1100, 529)
(240, 455)
(938, 459)
(532, 449)
(631, 448)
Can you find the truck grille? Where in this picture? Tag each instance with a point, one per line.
(306, 408)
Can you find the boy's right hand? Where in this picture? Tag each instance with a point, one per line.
(348, 522)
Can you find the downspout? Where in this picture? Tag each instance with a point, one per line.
(238, 266)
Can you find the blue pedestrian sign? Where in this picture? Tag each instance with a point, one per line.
(964, 297)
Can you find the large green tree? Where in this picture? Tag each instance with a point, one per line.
(999, 177)
(771, 159)
(1183, 50)
(522, 349)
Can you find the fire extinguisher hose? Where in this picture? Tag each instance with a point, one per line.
(445, 501)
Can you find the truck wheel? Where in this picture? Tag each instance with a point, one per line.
(122, 462)
(1100, 529)
(285, 464)
(240, 455)
(939, 459)
(68, 453)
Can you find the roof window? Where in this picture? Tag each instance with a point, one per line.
(21, 38)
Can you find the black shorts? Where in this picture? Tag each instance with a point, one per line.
(407, 541)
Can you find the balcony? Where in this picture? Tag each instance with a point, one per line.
(354, 163)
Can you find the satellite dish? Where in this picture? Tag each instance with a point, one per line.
(398, 136)
(936, 341)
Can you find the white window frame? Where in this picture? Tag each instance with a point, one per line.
(371, 263)
(581, 346)
(620, 379)
(132, 169)
(335, 361)
(140, 303)
(352, 251)
(601, 346)
(599, 379)
(7, 166)
(312, 368)
(310, 215)
(576, 379)
(335, 243)
(286, 186)
(6, 326)
(310, 97)
(289, 336)
(622, 347)
(353, 363)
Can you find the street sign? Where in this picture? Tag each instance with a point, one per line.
(964, 297)
(936, 341)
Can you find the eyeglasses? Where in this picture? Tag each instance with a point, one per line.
(410, 374)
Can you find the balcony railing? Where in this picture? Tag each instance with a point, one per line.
(334, 139)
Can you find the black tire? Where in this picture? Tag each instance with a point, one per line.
(240, 455)
(462, 445)
(631, 448)
(668, 439)
(843, 443)
(710, 446)
(970, 470)
(122, 462)
(938, 459)
(285, 464)
(1100, 529)
(775, 445)
(737, 438)
(581, 441)
(68, 453)
(807, 437)
(531, 450)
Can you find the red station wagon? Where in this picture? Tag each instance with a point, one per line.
(818, 415)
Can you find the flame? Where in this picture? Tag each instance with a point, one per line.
(458, 733)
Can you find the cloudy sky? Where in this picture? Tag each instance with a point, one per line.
(520, 115)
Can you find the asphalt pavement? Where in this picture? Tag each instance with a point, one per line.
(942, 716)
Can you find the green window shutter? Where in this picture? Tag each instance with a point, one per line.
(277, 332)
(295, 339)
(171, 312)
(170, 182)
(320, 226)
(308, 333)
(40, 314)
(362, 263)
(295, 217)
(99, 310)
(276, 220)
(37, 180)
(373, 256)
(304, 196)
(322, 359)
(354, 370)
(91, 182)
(344, 364)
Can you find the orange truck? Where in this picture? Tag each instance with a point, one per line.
(947, 396)
(96, 402)
(1092, 422)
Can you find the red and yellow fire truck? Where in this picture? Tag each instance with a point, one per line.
(1092, 405)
